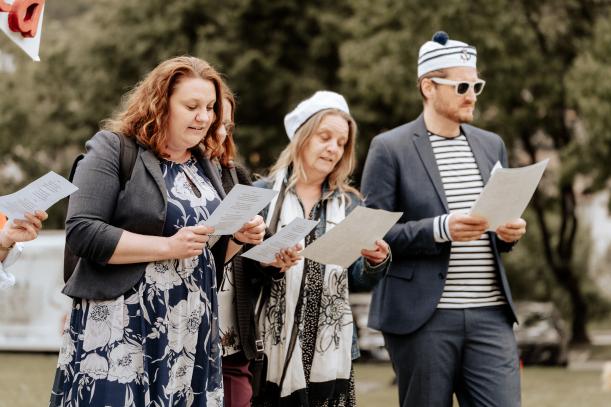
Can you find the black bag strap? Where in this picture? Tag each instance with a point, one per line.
(273, 224)
(234, 175)
(74, 165)
(128, 152)
(259, 345)
(295, 331)
(127, 158)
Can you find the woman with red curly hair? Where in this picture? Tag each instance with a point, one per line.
(144, 325)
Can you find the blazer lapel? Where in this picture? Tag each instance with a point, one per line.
(483, 163)
(212, 174)
(425, 151)
(151, 163)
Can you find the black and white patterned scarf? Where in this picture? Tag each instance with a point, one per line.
(332, 352)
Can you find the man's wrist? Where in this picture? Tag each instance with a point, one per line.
(441, 228)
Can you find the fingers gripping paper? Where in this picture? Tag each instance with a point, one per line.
(507, 193)
(342, 245)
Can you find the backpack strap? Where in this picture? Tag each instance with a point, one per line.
(234, 175)
(74, 165)
(127, 158)
(273, 224)
(128, 152)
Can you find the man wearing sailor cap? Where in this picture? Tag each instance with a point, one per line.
(445, 306)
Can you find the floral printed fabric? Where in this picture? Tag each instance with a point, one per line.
(157, 345)
(230, 340)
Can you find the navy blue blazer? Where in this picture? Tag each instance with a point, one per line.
(401, 175)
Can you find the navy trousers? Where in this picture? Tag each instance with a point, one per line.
(470, 352)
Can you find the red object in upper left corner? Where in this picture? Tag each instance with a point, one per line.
(24, 16)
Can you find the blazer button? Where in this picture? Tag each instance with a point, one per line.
(441, 276)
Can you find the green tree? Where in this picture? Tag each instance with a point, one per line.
(274, 55)
(590, 90)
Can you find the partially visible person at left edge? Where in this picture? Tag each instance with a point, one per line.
(17, 230)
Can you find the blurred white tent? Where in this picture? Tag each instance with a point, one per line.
(33, 311)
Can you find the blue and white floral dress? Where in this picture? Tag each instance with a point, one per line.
(158, 344)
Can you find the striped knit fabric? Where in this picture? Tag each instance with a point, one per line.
(472, 279)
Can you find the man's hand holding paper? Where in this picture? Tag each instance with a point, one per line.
(464, 228)
(504, 199)
(377, 255)
(512, 231)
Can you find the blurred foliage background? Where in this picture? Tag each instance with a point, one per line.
(548, 94)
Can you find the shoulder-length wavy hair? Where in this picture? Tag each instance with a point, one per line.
(227, 152)
(339, 178)
(145, 109)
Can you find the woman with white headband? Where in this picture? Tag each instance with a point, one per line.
(305, 319)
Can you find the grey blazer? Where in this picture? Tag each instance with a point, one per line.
(100, 211)
(401, 174)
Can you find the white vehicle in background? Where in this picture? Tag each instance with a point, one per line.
(33, 311)
(542, 335)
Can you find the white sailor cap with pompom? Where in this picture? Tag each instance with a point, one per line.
(442, 52)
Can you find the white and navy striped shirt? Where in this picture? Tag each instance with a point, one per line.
(472, 279)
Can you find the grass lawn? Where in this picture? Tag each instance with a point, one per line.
(25, 381)
(541, 387)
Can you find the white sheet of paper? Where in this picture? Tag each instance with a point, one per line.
(286, 237)
(240, 205)
(507, 193)
(342, 245)
(40, 194)
(30, 46)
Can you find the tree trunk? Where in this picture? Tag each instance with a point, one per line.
(560, 257)
(566, 277)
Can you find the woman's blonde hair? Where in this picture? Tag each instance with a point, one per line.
(145, 109)
(339, 178)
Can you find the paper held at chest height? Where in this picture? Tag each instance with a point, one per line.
(507, 193)
(286, 237)
(342, 244)
(239, 206)
(39, 195)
